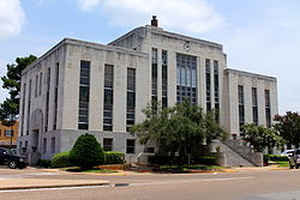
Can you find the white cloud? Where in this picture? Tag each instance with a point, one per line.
(3, 93)
(194, 16)
(12, 18)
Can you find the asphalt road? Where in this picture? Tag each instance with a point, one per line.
(244, 185)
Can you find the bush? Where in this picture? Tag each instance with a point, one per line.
(275, 158)
(206, 160)
(61, 160)
(44, 163)
(112, 157)
(87, 152)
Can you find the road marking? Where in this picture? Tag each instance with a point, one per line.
(53, 189)
(192, 181)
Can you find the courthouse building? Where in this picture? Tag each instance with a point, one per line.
(82, 87)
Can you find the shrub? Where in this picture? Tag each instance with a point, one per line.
(87, 152)
(44, 163)
(112, 157)
(205, 160)
(175, 160)
(61, 160)
(272, 157)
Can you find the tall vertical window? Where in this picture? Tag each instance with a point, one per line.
(41, 83)
(23, 109)
(186, 78)
(268, 108)
(164, 78)
(154, 77)
(47, 99)
(108, 97)
(53, 145)
(84, 95)
(56, 96)
(217, 95)
(241, 106)
(130, 98)
(254, 106)
(28, 108)
(208, 84)
(36, 86)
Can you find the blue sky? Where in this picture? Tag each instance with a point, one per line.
(261, 36)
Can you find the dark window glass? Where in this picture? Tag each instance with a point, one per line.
(41, 83)
(131, 98)
(47, 99)
(23, 109)
(241, 106)
(56, 96)
(186, 78)
(208, 84)
(45, 145)
(164, 78)
(268, 108)
(154, 72)
(84, 93)
(108, 97)
(107, 144)
(254, 106)
(130, 146)
(36, 86)
(28, 107)
(53, 145)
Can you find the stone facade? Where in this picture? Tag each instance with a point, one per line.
(49, 109)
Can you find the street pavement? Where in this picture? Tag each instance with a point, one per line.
(246, 184)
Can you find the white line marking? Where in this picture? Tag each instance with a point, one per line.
(53, 189)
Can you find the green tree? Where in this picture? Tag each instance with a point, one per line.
(182, 128)
(86, 152)
(12, 82)
(260, 137)
(288, 126)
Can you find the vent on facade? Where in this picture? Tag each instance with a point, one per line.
(154, 21)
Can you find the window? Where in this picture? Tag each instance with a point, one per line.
(241, 106)
(45, 145)
(36, 86)
(164, 78)
(149, 150)
(28, 108)
(84, 95)
(108, 97)
(268, 108)
(47, 99)
(107, 144)
(186, 73)
(56, 96)
(208, 84)
(154, 74)
(254, 106)
(41, 83)
(53, 145)
(130, 146)
(216, 85)
(26, 145)
(23, 109)
(131, 82)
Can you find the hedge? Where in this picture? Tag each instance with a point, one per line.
(271, 157)
(61, 160)
(112, 157)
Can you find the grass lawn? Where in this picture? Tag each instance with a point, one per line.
(95, 170)
(283, 163)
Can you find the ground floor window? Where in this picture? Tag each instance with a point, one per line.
(130, 146)
(107, 144)
(53, 145)
(45, 145)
